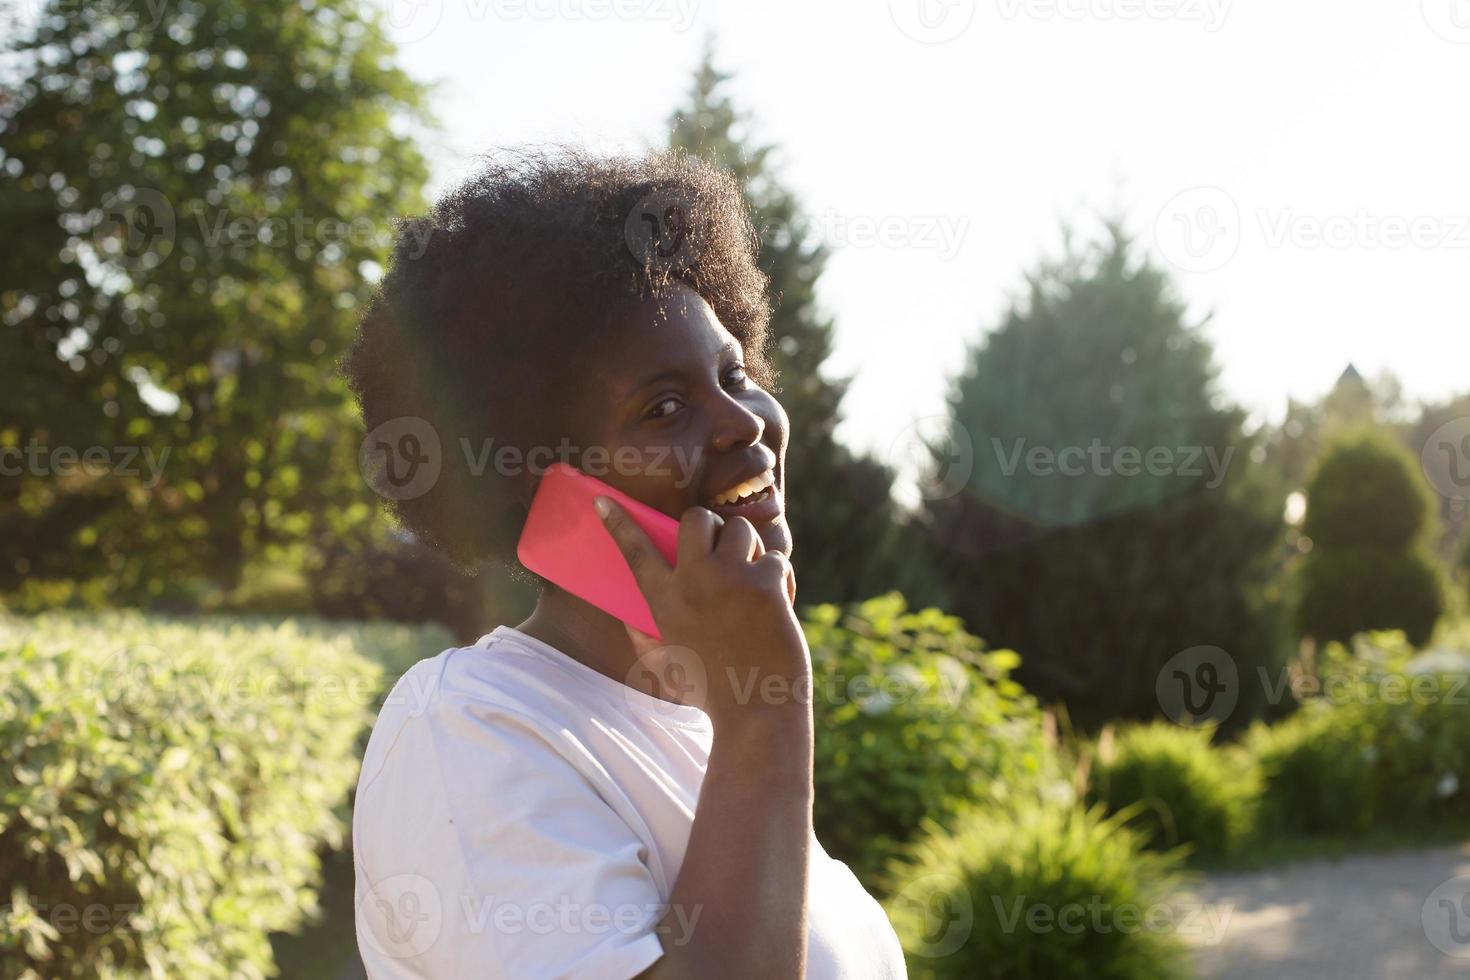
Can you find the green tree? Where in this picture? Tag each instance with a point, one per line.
(1369, 518)
(196, 196)
(1111, 518)
(851, 540)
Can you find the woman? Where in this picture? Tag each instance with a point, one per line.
(567, 797)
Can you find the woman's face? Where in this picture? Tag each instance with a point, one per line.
(675, 420)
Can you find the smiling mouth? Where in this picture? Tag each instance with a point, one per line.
(759, 501)
(756, 488)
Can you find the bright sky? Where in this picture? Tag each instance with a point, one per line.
(940, 141)
(1302, 164)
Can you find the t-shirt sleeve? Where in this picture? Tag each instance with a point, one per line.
(483, 850)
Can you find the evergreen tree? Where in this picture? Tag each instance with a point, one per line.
(1112, 519)
(851, 541)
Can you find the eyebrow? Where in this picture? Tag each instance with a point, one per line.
(668, 373)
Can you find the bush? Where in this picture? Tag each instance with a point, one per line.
(168, 784)
(1367, 493)
(913, 719)
(1385, 742)
(1188, 792)
(1353, 590)
(391, 575)
(1368, 513)
(1042, 891)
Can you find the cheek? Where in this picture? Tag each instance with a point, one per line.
(659, 471)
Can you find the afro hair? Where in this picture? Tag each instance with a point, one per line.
(492, 302)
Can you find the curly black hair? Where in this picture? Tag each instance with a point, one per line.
(492, 302)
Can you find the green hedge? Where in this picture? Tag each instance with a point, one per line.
(913, 719)
(168, 783)
(1043, 891)
(1385, 742)
(1187, 792)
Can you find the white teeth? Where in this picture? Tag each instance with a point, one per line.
(753, 485)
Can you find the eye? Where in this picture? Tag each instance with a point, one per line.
(733, 377)
(660, 403)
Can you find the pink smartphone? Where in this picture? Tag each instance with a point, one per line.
(566, 542)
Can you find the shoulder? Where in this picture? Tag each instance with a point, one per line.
(461, 699)
(482, 717)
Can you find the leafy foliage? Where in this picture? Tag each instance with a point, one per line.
(1368, 516)
(1385, 740)
(1190, 793)
(914, 719)
(168, 783)
(1105, 474)
(1039, 891)
(196, 197)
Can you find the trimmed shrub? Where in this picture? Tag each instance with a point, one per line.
(168, 783)
(1366, 493)
(1045, 891)
(1352, 590)
(1368, 513)
(1186, 792)
(1385, 741)
(914, 719)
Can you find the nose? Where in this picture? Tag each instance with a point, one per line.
(736, 426)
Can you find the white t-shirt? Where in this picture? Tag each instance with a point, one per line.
(521, 815)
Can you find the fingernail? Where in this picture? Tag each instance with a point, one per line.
(601, 505)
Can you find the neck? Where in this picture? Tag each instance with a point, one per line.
(589, 636)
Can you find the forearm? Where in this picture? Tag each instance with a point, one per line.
(745, 869)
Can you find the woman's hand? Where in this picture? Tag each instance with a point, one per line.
(728, 603)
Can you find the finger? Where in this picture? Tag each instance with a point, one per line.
(776, 567)
(697, 529)
(650, 569)
(737, 539)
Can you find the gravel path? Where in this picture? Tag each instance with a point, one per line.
(1397, 916)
